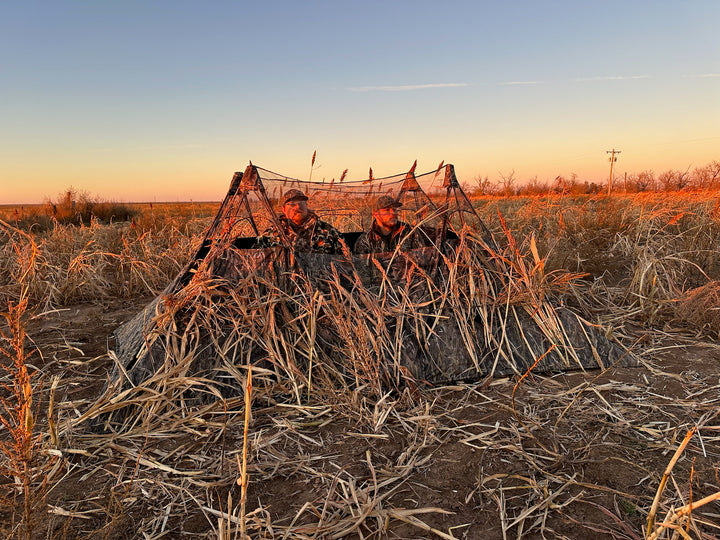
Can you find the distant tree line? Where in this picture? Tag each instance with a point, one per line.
(700, 178)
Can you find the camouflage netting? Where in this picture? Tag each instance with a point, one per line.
(345, 204)
(460, 309)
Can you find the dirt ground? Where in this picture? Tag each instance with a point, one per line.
(565, 455)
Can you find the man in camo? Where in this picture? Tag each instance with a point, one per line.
(387, 231)
(302, 227)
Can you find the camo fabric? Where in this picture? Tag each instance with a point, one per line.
(373, 242)
(313, 236)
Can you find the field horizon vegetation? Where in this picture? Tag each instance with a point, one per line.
(80, 207)
(630, 453)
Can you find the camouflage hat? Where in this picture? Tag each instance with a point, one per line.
(293, 195)
(386, 201)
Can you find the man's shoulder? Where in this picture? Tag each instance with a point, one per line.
(363, 244)
(364, 236)
(325, 226)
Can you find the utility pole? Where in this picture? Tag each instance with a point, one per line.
(612, 159)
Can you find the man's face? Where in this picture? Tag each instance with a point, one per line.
(296, 211)
(386, 217)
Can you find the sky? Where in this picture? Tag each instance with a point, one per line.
(163, 100)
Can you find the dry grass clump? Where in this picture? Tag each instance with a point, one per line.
(699, 309)
(643, 251)
(76, 264)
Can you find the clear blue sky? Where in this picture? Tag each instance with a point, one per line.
(164, 100)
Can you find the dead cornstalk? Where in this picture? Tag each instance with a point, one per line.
(21, 451)
(243, 480)
(663, 481)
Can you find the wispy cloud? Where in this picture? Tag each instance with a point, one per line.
(160, 147)
(520, 83)
(710, 75)
(406, 87)
(613, 78)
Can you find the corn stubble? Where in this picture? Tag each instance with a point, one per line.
(190, 440)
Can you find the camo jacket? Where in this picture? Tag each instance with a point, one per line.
(373, 242)
(313, 236)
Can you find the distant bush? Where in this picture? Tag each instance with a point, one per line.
(113, 211)
(71, 207)
(77, 207)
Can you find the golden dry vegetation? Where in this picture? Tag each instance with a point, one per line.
(613, 453)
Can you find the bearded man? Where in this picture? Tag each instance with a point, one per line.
(302, 227)
(387, 231)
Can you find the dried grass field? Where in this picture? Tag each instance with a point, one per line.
(621, 452)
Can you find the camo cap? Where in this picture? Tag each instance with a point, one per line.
(293, 195)
(386, 201)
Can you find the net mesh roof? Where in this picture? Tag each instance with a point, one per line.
(255, 197)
